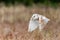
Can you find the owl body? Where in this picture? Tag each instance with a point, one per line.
(37, 21)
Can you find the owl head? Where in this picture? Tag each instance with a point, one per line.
(35, 17)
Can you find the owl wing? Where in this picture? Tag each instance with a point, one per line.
(32, 26)
(45, 19)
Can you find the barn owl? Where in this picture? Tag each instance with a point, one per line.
(37, 21)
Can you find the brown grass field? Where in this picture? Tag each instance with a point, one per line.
(16, 19)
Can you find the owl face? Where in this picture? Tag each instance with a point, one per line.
(35, 17)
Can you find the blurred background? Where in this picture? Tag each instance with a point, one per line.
(15, 15)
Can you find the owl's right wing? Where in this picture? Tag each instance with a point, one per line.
(32, 26)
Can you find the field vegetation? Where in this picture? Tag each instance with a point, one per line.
(15, 16)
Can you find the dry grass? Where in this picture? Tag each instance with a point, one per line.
(17, 17)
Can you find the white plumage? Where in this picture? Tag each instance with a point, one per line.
(37, 21)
